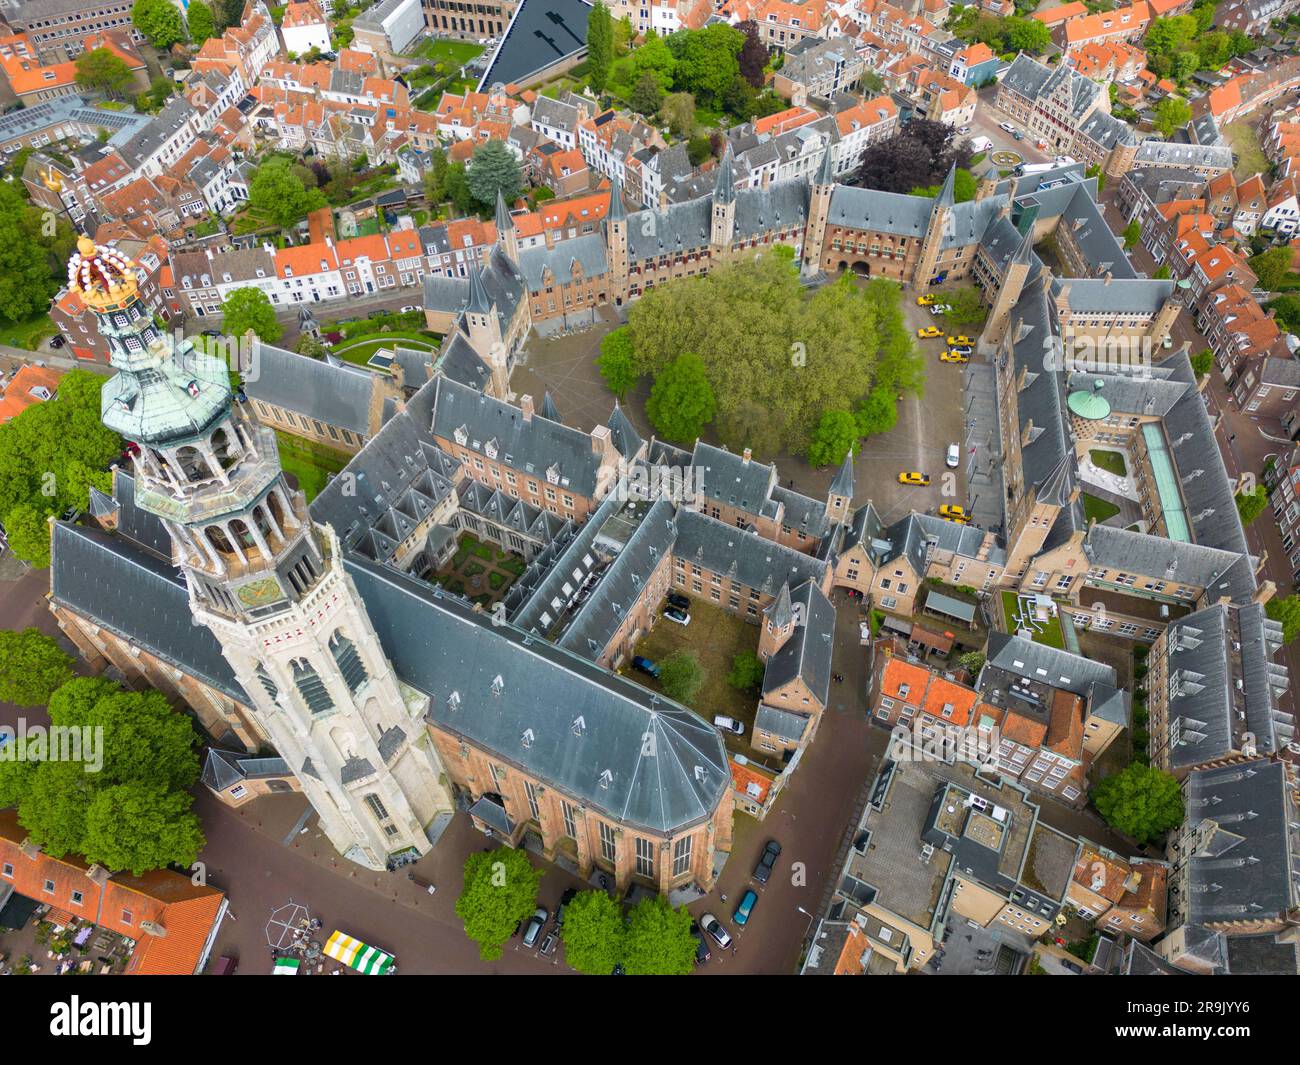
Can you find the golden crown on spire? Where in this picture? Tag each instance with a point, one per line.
(101, 275)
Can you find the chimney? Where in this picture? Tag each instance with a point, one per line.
(97, 874)
(1107, 279)
(526, 405)
(208, 252)
(153, 928)
(748, 454)
(602, 442)
(29, 849)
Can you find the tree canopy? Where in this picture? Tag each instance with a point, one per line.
(500, 891)
(1285, 609)
(1272, 266)
(918, 156)
(50, 456)
(159, 21)
(1142, 802)
(747, 671)
(617, 362)
(762, 342)
(494, 167)
(658, 941)
(600, 45)
(201, 21)
(250, 308)
(131, 810)
(34, 251)
(32, 667)
(681, 676)
(103, 69)
(279, 190)
(593, 933)
(1172, 114)
(835, 436)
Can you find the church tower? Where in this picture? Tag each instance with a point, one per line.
(819, 210)
(940, 225)
(723, 224)
(616, 239)
(266, 580)
(506, 235)
(1009, 292)
(484, 324)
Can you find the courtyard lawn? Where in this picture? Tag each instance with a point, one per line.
(1046, 632)
(480, 571)
(456, 53)
(1110, 461)
(311, 464)
(1100, 509)
(28, 334)
(1251, 159)
(715, 637)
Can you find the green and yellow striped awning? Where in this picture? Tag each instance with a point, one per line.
(370, 961)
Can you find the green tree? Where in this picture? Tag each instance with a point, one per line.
(500, 891)
(835, 436)
(159, 21)
(648, 94)
(1142, 802)
(494, 168)
(877, 413)
(1251, 504)
(707, 60)
(967, 307)
(279, 192)
(681, 676)
(458, 190)
(747, 671)
(678, 113)
(617, 362)
(1165, 36)
(1285, 609)
(964, 187)
(201, 21)
(653, 56)
(250, 308)
(1203, 362)
(131, 810)
(1161, 274)
(311, 346)
(1272, 266)
(28, 532)
(972, 662)
(435, 178)
(872, 84)
(1172, 114)
(698, 148)
(658, 940)
(600, 46)
(1132, 233)
(32, 667)
(103, 69)
(1287, 309)
(1026, 35)
(593, 933)
(681, 401)
(34, 251)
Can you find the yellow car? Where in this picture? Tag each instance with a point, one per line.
(929, 331)
(914, 478)
(924, 301)
(955, 341)
(954, 356)
(954, 512)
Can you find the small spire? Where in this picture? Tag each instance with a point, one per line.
(843, 483)
(781, 612)
(724, 189)
(504, 222)
(549, 410)
(1026, 249)
(479, 302)
(947, 195)
(617, 212)
(826, 172)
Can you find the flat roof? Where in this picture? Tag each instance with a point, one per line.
(954, 608)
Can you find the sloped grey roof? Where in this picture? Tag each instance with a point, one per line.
(627, 441)
(529, 444)
(459, 362)
(884, 212)
(1167, 153)
(138, 597)
(782, 205)
(680, 227)
(587, 252)
(803, 514)
(806, 654)
(135, 524)
(1095, 239)
(783, 723)
(745, 556)
(1026, 76)
(555, 715)
(732, 479)
(1135, 296)
(1247, 871)
(968, 221)
(336, 393)
(1048, 665)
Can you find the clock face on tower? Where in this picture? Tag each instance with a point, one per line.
(260, 592)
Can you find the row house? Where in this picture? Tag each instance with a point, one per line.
(817, 68)
(324, 81)
(1238, 330)
(564, 172)
(973, 64)
(1173, 220)
(304, 27)
(1143, 190)
(453, 249)
(1268, 388)
(31, 80)
(940, 98)
(1242, 94)
(242, 50)
(781, 24)
(1109, 61)
(1122, 24)
(159, 146)
(662, 16)
(1124, 896)
(1238, 207)
(1208, 265)
(1281, 218)
(861, 125)
(557, 120)
(459, 114)
(1283, 478)
(1252, 17)
(213, 95)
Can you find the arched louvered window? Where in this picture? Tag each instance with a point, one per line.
(268, 683)
(311, 687)
(348, 661)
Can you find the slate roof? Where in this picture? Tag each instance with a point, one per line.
(557, 716)
(744, 556)
(782, 205)
(587, 252)
(806, 654)
(1247, 868)
(782, 723)
(532, 445)
(732, 479)
(335, 393)
(1048, 665)
(680, 227)
(883, 212)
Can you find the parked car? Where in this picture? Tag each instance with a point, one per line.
(929, 331)
(409, 308)
(58, 340)
(954, 456)
(714, 927)
(959, 340)
(913, 477)
(746, 908)
(952, 355)
(1007, 127)
(925, 300)
(679, 616)
(548, 943)
(728, 724)
(1072, 966)
(645, 666)
(767, 862)
(565, 899)
(535, 925)
(955, 512)
(702, 952)
(679, 601)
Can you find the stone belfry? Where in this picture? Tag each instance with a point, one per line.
(266, 580)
